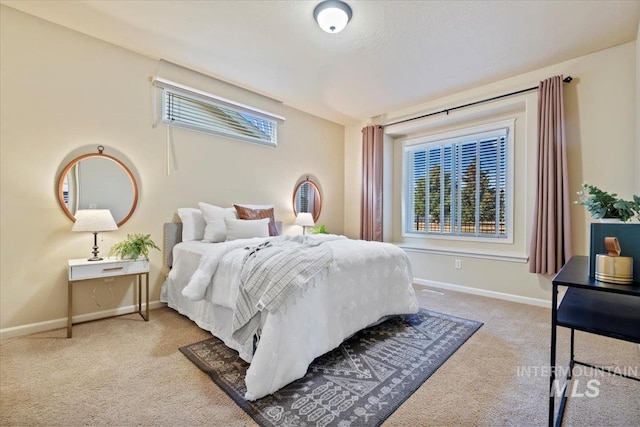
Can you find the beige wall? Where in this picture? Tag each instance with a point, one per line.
(637, 190)
(352, 179)
(63, 94)
(601, 130)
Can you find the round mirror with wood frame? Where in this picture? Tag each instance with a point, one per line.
(98, 181)
(306, 198)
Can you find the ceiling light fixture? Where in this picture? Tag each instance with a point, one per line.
(332, 15)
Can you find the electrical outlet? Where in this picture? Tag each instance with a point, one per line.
(458, 263)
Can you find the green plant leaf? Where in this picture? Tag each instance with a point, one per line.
(320, 229)
(133, 247)
(601, 204)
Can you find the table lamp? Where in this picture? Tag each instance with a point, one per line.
(304, 219)
(94, 221)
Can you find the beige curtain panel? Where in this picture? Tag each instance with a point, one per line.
(550, 244)
(371, 201)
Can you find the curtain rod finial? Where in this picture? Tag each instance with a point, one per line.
(567, 79)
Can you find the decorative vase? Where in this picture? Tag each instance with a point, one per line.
(610, 220)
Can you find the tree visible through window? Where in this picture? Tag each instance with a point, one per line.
(458, 186)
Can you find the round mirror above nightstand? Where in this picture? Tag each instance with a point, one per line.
(98, 181)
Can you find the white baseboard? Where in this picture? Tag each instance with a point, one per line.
(483, 292)
(62, 322)
(49, 325)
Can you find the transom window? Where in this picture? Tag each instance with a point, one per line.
(459, 185)
(191, 108)
(182, 111)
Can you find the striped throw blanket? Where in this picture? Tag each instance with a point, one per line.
(271, 273)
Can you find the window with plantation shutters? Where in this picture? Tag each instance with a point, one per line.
(197, 110)
(459, 186)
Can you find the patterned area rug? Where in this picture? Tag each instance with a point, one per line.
(360, 383)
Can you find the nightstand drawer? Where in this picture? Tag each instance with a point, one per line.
(82, 270)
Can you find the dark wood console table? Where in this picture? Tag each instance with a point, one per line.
(590, 306)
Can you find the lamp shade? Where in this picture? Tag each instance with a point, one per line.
(304, 219)
(332, 15)
(94, 220)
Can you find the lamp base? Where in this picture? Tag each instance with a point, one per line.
(95, 256)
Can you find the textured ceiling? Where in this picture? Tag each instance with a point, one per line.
(393, 54)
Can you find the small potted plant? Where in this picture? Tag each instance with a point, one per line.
(320, 229)
(135, 246)
(607, 206)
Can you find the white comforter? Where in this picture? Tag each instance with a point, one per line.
(365, 282)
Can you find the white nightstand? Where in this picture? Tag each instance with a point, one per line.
(82, 269)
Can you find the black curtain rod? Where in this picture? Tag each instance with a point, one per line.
(566, 80)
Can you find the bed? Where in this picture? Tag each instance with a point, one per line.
(361, 283)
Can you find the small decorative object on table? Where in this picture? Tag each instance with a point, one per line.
(603, 205)
(135, 246)
(613, 268)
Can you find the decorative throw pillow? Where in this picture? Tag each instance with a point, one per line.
(245, 212)
(215, 230)
(246, 229)
(247, 205)
(193, 224)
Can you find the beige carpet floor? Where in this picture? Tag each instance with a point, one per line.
(124, 371)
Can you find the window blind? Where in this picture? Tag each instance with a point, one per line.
(458, 186)
(198, 110)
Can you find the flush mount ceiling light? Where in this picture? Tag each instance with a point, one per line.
(332, 15)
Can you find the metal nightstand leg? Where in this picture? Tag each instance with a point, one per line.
(145, 316)
(147, 293)
(140, 295)
(69, 309)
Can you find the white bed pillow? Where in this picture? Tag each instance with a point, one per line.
(193, 224)
(215, 230)
(246, 228)
(247, 213)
